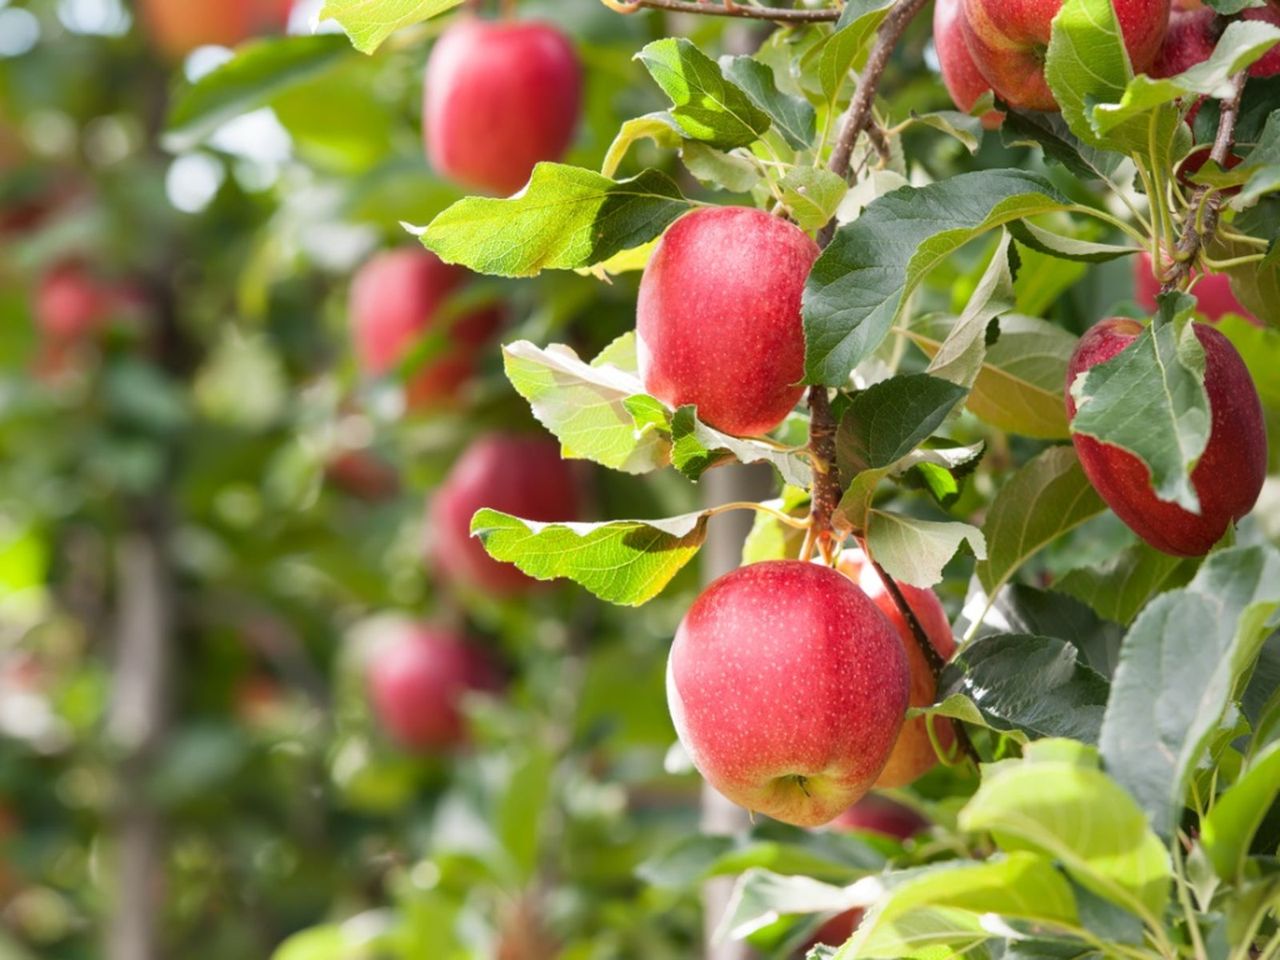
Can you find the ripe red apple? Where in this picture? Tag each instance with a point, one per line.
(364, 475)
(1212, 290)
(1008, 40)
(417, 682)
(177, 27)
(71, 304)
(877, 814)
(520, 475)
(718, 320)
(1231, 470)
(961, 77)
(1190, 39)
(788, 688)
(500, 98)
(913, 755)
(1269, 64)
(396, 298)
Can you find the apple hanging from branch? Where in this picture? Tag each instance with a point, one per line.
(500, 97)
(520, 475)
(1229, 475)
(417, 681)
(788, 688)
(718, 319)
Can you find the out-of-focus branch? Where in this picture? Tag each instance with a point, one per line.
(727, 8)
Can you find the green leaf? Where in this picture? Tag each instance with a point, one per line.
(1077, 815)
(1033, 684)
(706, 105)
(1150, 400)
(959, 358)
(565, 218)
(717, 170)
(859, 285)
(885, 422)
(318, 943)
(1019, 383)
(598, 412)
(948, 905)
(848, 46)
(260, 71)
(1046, 497)
(1242, 43)
(915, 551)
(1027, 609)
(1050, 132)
(832, 856)
(793, 117)
(661, 128)
(627, 562)
(369, 22)
(760, 897)
(1228, 830)
(697, 447)
(770, 539)
(1086, 64)
(813, 194)
(965, 128)
(1121, 587)
(1185, 658)
(522, 808)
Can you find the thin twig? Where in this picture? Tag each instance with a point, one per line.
(1206, 203)
(859, 113)
(726, 9)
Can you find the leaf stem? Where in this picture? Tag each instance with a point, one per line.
(1184, 899)
(797, 523)
(1205, 202)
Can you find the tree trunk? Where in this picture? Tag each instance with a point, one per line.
(136, 724)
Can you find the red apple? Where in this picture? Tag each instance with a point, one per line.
(417, 682)
(71, 304)
(177, 27)
(500, 98)
(963, 81)
(396, 298)
(788, 688)
(913, 755)
(520, 475)
(718, 320)
(877, 814)
(1008, 40)
(1269, 64)
(364, 475)
(1191, 37)
(1212, 290)
(1231, 470)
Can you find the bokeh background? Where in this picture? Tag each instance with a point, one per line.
(211, 521)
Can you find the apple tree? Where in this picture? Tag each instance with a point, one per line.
(987, 292)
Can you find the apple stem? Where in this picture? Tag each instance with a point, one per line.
(1205, 205)
(726, 9)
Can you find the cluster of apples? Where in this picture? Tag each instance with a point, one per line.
(999, 45)
(500, 97)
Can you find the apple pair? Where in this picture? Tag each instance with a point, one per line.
(1001, 45)
(788, 684)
